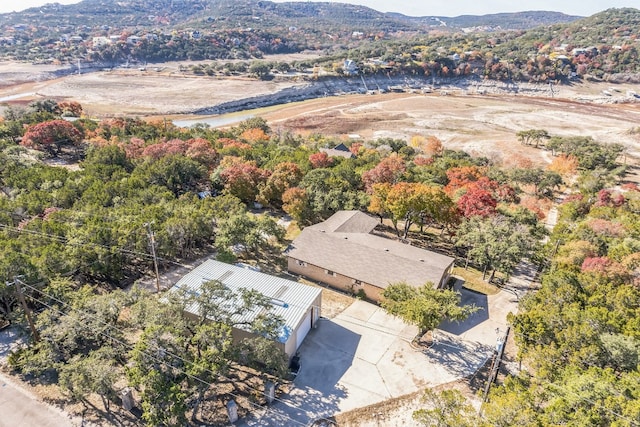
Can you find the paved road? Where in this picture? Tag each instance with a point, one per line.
(18, 408)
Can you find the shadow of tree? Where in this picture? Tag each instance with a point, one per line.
(325, 357)
(468, 297)
(460, 358)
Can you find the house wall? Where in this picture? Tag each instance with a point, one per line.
(335, 280)
(345, 283)
(239, 334)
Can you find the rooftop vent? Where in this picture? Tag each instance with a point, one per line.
(279, 302)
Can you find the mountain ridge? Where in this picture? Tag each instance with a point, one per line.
(176, 12)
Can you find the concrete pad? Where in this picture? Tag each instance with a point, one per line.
(359, 310)
(364, 356)
(480, 328)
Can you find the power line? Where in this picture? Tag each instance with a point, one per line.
(146, 353)
(70, 241)
(123, 250)
(131, 346)
(544, 382)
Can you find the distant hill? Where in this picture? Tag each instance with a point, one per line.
(526, 46)
(150, 13)
(505, 21)
(612, 26)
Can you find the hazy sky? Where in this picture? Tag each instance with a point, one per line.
(431, 7)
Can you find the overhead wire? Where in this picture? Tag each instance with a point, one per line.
(131, 346)
(545, 382)
(163, 362)
(148, 256)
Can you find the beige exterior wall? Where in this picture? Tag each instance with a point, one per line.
(344, 283)
(239, 335)
(335, 280)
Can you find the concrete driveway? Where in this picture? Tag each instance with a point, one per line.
(363, 356)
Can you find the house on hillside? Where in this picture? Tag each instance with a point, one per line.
(349, 67)
(298, 304)
(343, 253)
(339, 150)
(100, 41)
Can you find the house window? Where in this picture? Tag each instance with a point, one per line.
(330, 273)
(301, 263)
(357, 282)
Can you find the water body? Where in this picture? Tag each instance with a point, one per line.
(16, 96)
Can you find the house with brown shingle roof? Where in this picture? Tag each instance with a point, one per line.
(343, 253)
(339, 150)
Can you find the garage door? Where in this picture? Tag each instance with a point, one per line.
(303, 330)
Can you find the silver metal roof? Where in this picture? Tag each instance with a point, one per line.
(290, 300)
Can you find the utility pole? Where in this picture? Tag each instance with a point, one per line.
(27, 312)
(152, 239)
(497, 359)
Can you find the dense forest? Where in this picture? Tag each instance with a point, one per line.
(73, 238)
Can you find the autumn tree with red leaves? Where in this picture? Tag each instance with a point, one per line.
(320, 160)
(52, 136)
(243, 179)
(477, 202)
(605, 270)
(70, 108)
(284, 176)
(198, 149)
(389, 170)
(462, 176)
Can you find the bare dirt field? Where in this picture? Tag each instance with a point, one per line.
(480, 123)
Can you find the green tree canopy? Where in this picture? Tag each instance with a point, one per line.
(425, 306)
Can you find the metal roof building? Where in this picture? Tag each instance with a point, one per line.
(298, 304)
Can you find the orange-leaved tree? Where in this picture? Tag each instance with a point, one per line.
(52, 136)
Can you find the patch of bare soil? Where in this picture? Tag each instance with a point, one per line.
(480, 125)
(399, 411)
